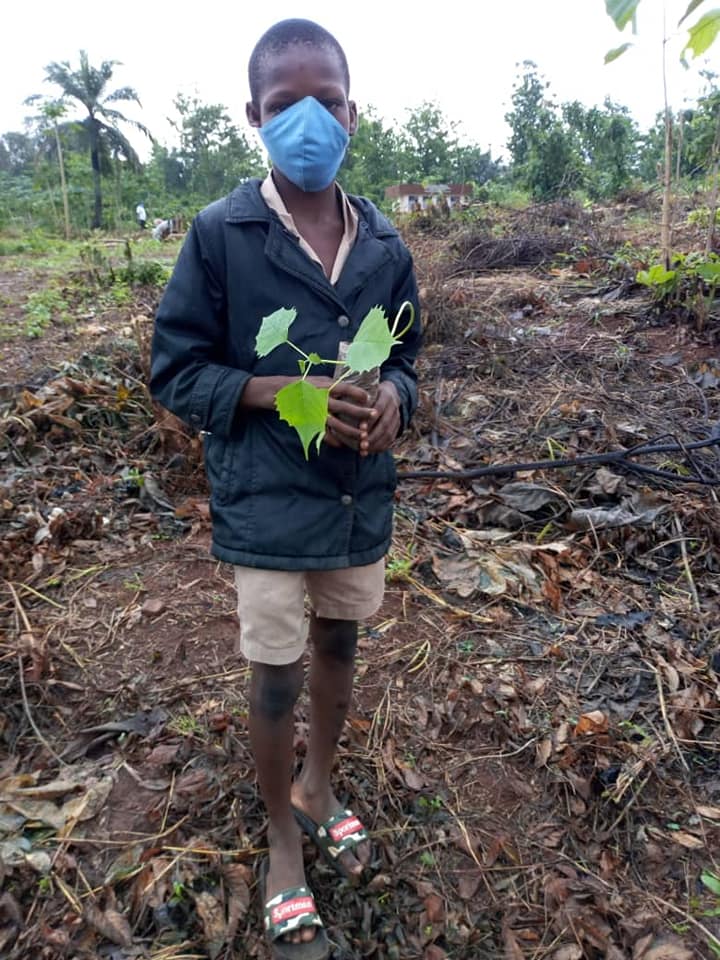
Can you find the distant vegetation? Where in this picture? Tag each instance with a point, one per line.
(72, 167)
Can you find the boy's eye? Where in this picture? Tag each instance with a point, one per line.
(331, 104)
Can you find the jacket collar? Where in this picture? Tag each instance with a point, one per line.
(245, 204)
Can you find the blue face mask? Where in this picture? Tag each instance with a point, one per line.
(306, 144)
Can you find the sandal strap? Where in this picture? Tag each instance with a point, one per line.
(342, 832)
(289, 910)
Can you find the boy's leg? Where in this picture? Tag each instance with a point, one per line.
(270, 609)
(331, 679)
(273, 692)
(339, 598)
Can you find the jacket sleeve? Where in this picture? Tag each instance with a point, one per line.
(187, 374)
(400, 366)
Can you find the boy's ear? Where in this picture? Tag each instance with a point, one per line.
(252, 113)
(352, 126)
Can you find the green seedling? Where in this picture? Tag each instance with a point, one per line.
(301, 404)
(185, 724)
(427, 859)
(399, 566)
(711, 882)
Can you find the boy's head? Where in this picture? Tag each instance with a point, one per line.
(299, 84)
(288, 34)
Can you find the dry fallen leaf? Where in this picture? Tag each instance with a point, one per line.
(513, 951)
(162, 754)
(669, 948)
(212, 916)
(712, 813)
(434, 952)
(434, 908)
(686, 839)
(590, 723)
(569, 952)
(109, 924)
(237, 877)
(467, 886)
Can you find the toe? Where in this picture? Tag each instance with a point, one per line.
(351, 864)
(307, 934)
(364, 853)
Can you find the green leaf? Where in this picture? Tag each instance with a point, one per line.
(274, 330)
(710, 272)
(703, 33)
(372, 343)
(616, 52)
(656, 276)
(711, 881)
(622, 12)
(305, 407)
(694, 4)
(314, 358)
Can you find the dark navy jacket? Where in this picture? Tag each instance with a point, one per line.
(270, 507)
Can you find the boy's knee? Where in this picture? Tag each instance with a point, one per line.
(275, 689)
(335, 639)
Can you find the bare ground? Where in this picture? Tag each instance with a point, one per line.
(533, 742)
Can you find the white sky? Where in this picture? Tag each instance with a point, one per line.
(462, 55)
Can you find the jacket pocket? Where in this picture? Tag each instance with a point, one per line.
(220, 460)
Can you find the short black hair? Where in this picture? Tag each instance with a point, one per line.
(286, 34)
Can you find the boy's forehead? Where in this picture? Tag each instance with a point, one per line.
(300, 61)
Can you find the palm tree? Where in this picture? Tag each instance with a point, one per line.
(88, 86)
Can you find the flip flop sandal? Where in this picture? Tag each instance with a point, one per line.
(343, 831)
(289, 910)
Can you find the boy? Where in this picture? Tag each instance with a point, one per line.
(288, 525)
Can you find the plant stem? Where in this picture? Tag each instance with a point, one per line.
(298, 350)
(665, 239)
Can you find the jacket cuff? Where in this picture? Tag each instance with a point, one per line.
(215, 398)
(406, 393)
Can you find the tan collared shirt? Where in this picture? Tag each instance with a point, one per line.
(272, 198)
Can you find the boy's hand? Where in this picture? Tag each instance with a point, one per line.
(351, 403)
(384, 419)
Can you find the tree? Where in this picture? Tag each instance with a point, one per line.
(50, 111)
(545, 155)
(214, 154)
(17, 152)
(88, 86)
(429, 142)
(607, 139)
(701, 36)
(374, 159)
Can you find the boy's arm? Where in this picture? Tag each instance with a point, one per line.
(190, 333)
(187, 375)
(399, 368)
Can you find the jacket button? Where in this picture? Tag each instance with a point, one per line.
(343, 321)
(346, 499)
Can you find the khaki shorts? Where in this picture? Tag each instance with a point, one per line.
(271, 605)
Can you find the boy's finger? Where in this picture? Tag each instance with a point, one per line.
(341, 408)
(341, 429)
(351, 392)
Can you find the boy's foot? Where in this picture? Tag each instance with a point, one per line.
(321, 806)
(286, 871)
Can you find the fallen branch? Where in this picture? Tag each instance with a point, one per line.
(615, 456)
